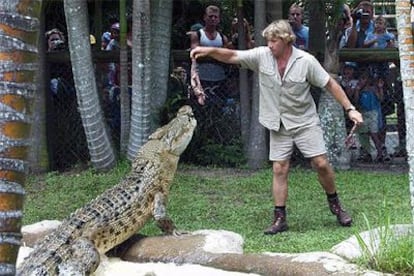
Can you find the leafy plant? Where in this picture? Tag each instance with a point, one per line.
(386, 250)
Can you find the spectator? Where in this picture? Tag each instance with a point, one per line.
(113, 70)
(362, 17)
(354, 37)
(55, 40)
(234, 43)
(345, 25)
(370, 95)
(301, 31)
(114, 104)
(114, 42)
(382, 39)
(64, 123)
(212, 75)
(349, 83)
(288, 111)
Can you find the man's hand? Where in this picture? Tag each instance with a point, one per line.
(356, 117)
(198, 52)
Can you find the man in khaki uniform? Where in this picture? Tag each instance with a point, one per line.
(288, 111)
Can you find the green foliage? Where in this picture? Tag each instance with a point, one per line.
(386, 250)
(240, 201)
(176, 95)
(229, 155)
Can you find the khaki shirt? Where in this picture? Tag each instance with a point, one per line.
(288, 99)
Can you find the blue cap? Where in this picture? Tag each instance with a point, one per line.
(351, 64)
(106, 36)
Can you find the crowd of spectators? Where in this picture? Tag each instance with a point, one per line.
(361, 28)
(366, 30)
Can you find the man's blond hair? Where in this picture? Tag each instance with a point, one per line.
(279, 29)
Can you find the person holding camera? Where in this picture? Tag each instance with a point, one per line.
(55, 40)
(363, 24)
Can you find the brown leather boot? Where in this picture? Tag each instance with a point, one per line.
(279, 224)
(342, 216)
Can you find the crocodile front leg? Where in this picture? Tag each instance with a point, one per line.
(160, 215)
(159, 212)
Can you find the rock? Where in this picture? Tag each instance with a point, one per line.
(115, 266)
(31, 233)
(221, 241)
(198, 247)
(351, 250)
(212, 252)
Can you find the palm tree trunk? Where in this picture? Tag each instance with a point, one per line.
(141, 76)
(257, 148)
(19, 27)
(125, 99)
(244, 88)
(161, 16)
(38, 155)
(406, 49)
(99, 144)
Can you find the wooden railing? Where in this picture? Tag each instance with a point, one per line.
(178, 56)
(369, 55)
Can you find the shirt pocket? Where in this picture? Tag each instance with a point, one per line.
(295, 83)
(267, 77)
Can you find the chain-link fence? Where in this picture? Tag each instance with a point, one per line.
(66, 139)
(217, 140)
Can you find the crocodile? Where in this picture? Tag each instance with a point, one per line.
(75, 247)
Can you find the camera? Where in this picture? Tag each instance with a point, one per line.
(58, 45)
(360, 12)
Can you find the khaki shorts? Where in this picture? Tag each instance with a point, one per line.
(309, 140)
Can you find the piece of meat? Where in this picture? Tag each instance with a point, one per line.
(196, 84)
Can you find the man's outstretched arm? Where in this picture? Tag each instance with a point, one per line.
(220, 54)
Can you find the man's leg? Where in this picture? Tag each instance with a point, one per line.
(280, 194)
(326, 178)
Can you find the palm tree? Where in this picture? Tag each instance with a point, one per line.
(125, 99)
(38, 156)
(19, 30)
(99, 144)
(257, 149)
(141, 74)
(406, 48)
(161, 16)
